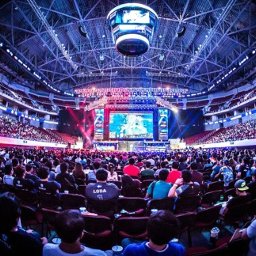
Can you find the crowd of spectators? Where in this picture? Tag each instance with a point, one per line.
(108, 176)
(234, 102)
(10, 127)
(243, 131)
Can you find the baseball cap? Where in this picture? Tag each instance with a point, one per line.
(241, 185)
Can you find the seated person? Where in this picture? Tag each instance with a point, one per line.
(159, 189)
(227, 173)
(250, 233)
(8, 175)
(79, 174)
(102, 196)
(130, 187)
(184, 186)
(131, 169)
(112, 174)
(69, 226)
(66, 180)
(20, 182)
(252, 184)
(174, 174)
(30, 173)
(147, 173)
(91, 175)
(161, 228)
(242, 196)
(215, 170)
(43, 184)
(196, 175)
(20, 241)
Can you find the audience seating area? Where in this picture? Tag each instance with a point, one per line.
(230, 101)
(197, 214)
(10, 127)
(243, 131)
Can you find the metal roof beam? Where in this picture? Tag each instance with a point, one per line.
(226, 32)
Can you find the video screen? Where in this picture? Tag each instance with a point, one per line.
(99, 124)
(130, 125)
(133, 17)
(163, 124)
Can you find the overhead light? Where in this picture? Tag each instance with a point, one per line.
(161, 57)
(182, 31)
(82, 31)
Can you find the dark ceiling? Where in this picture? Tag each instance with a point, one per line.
(217, 35)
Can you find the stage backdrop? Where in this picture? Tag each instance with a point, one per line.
(185, 123)
(78, 123)
(71, 121)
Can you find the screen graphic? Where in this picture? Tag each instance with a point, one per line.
(163, 124)
(99, 124)
(130, 125)
(132, 17)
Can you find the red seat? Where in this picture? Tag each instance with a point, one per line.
(98, 232)
(135, 206)
(130, 227)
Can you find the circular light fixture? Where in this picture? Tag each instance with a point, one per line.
(132, 26)
(133, 44)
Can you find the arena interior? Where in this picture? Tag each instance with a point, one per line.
(120, 114)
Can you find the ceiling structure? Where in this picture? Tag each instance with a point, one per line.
(198, 45)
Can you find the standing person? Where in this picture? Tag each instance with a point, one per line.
(159, 189)
(69, 226)
(161, 228)
(18, 240)
(131, 169)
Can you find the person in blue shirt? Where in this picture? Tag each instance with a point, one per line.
(159, 189)
(216, 169)
(161, 228)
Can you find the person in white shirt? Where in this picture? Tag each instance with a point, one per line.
(69, 226)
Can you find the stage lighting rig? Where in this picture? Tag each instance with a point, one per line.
(132, 26)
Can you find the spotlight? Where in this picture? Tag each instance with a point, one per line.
(161, 57)
(82, 31)
(181, 32)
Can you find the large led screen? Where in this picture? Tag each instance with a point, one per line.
(132, 17)
(163, 124)
(130, 125)
(99, 124)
